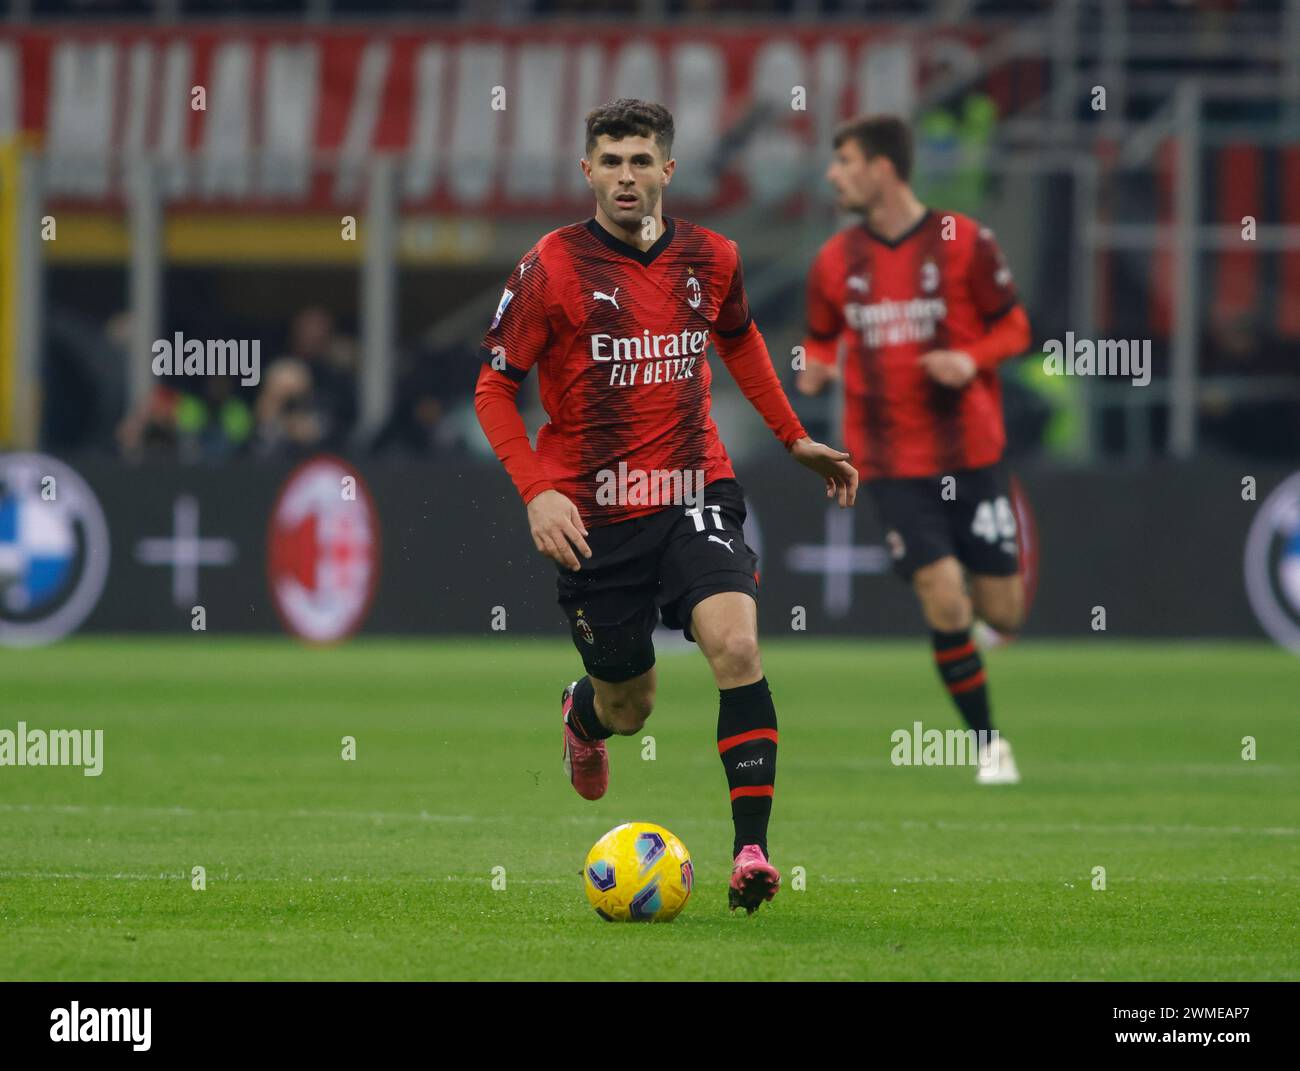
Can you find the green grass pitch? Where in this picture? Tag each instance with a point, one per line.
(226, 754)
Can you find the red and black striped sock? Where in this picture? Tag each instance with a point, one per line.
(747, 744)
(582, 714)
(962, 671)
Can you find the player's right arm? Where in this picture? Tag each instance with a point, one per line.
(825, 324)
(519, 335)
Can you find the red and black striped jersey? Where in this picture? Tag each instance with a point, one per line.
(619, 338)
(941, 285)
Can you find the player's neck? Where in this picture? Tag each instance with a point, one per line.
(894, 215)
(636, 237)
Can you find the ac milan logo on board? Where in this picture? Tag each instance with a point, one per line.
(323, 551)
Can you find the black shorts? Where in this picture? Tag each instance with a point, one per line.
(967, 515)
(663, 563)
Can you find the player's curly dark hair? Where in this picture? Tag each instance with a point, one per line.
(879, 135)
(631, 118)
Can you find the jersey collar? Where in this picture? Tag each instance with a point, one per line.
(896, 242)
(644, 257)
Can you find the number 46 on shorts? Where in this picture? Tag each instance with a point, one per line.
(994, 519)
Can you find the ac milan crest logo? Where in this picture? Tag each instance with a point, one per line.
(694, 293)
(323, 551)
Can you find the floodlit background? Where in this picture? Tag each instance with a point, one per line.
(349, 184)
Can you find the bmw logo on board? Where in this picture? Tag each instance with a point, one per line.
(53, 550)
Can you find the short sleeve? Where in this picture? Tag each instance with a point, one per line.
(733, 315)
(521, 328)
(991, 285)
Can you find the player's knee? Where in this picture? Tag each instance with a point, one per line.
(1006, 617)
(627, 712)
(1007, 620)
(948, 611)
(941, 589)
(736, 657)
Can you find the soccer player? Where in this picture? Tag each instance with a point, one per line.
(630, 490)
(924, 309)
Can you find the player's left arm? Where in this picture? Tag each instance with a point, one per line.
(1007, 331)
(742, 349)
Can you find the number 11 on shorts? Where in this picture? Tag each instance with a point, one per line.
(698, 517)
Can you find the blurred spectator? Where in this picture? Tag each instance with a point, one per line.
(1260, 427)
(953, 151)
(83, 375)
(1033, 408)
(150, 428)
(212, 425)
(308, 399)
(435, 384)
(216, 424)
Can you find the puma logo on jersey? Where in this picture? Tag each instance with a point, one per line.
(725, 542)
(858, 282)
(611, 298)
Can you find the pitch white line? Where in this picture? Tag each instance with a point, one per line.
(576, 880)
(939, 824)
(56, 875)
(1077, 883)
(1078, 827)
(248, 812)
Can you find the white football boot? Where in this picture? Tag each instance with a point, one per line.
(996, 765)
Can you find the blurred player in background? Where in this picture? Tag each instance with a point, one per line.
(630, 490)
(925, 310)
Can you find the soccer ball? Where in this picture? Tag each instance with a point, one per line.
(638, 872)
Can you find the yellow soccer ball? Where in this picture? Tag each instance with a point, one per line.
(638, 872)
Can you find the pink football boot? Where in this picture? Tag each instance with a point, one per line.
(753, 879)
(586, 762)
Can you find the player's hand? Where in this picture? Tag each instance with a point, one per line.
(841, 477)
(813, 377)
(949, 368)
(558, 529)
